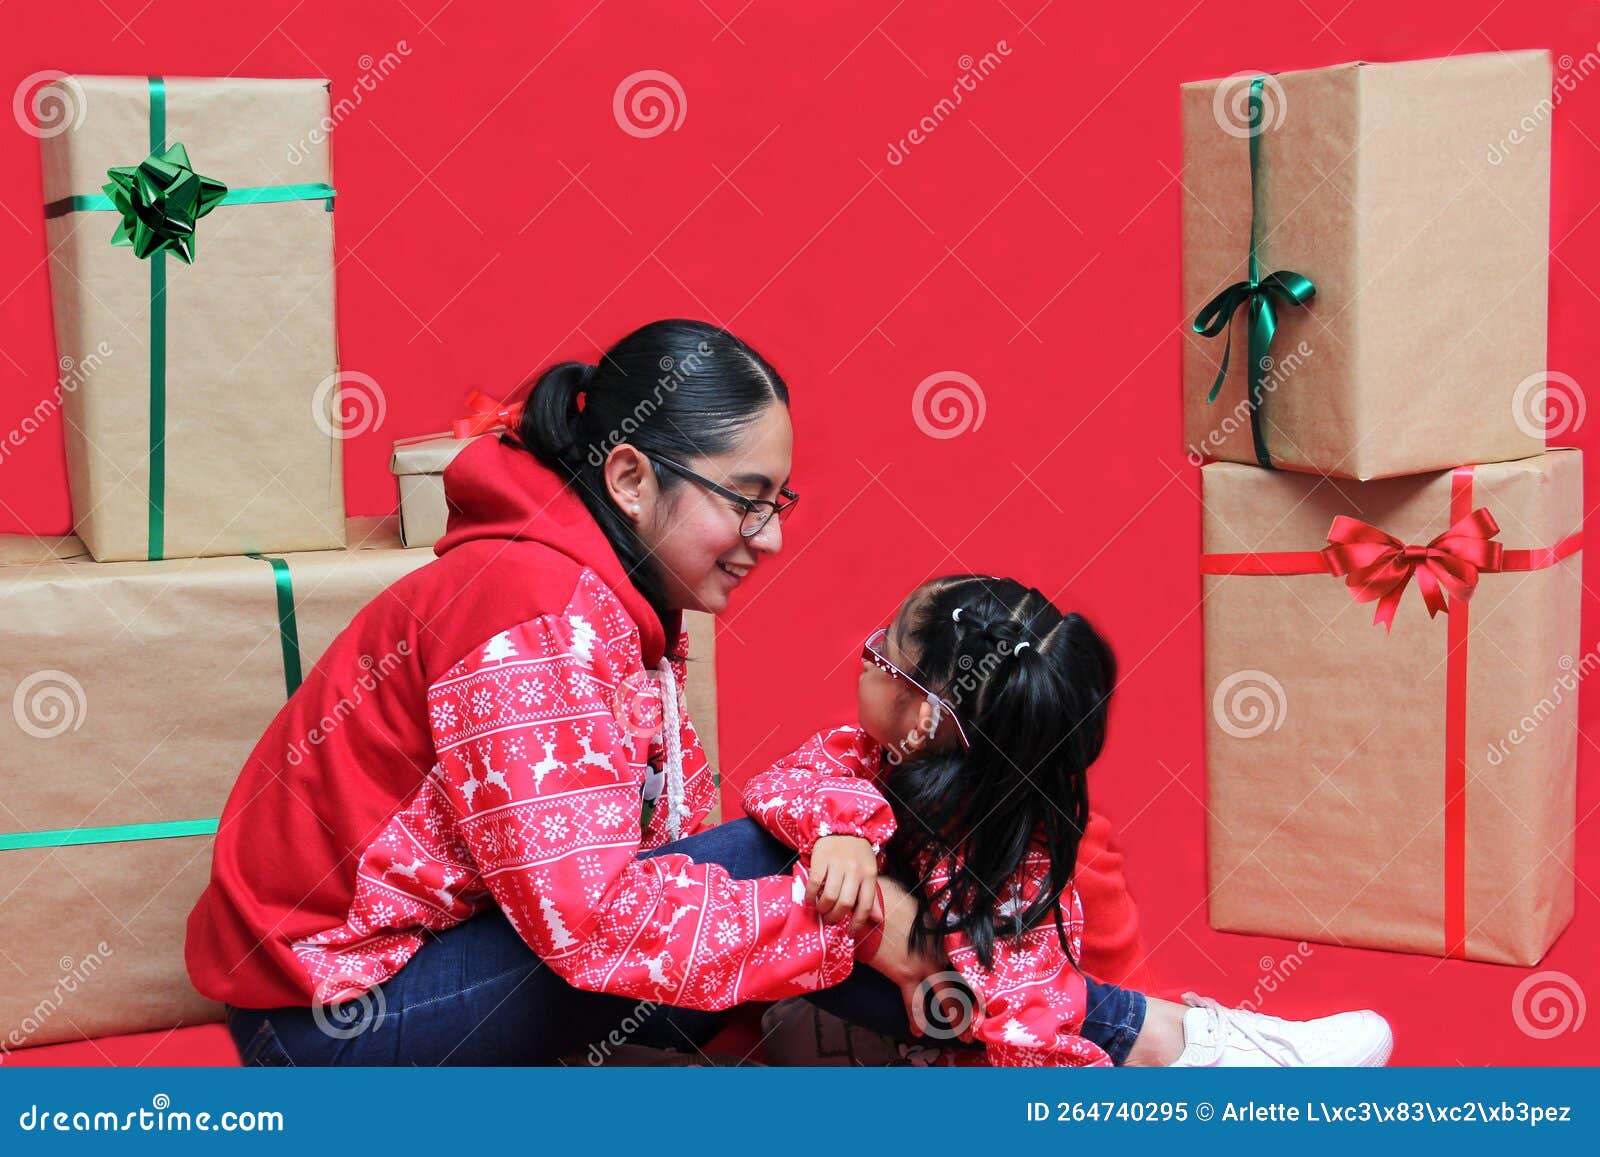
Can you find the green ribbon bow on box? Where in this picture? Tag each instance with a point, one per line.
(160, 199)
(1285, 286)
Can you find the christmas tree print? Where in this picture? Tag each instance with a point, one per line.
(499, 648)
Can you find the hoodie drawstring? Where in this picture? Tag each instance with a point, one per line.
(672, 740)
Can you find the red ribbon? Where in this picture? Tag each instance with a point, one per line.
(1378, 566)
(485, 414)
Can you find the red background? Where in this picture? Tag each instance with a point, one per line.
(493, 217)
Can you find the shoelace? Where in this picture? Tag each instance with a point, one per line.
(672, 741)
(1226, 1020)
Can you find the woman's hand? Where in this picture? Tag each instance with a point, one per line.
(912, 972)
(844, 878)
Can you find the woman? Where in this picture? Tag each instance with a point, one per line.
(490, 859)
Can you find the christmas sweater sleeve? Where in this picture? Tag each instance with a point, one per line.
(1031, 1003)
(825, 788)
(545, 785)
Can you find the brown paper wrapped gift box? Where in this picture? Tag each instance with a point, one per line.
(1399, 191)
(418, 465)
(1327, 738)
(136, 692)
(242, 463)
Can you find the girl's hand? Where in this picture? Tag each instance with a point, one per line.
(844, 881)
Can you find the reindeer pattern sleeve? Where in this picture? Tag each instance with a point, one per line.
(543, 763)
(825, 788)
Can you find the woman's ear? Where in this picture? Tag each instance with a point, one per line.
(630, 481)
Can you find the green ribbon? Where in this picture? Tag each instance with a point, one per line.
(289, 637)
(288, 630)
(159, 201)
(119, 834)
(1262, 320)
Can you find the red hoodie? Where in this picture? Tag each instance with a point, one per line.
(482, 733)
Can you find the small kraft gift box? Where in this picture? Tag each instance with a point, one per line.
(191, 273)
(137, 690)
(1365, 256)
(1391, 675)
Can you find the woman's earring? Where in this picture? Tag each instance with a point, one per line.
(636, 508)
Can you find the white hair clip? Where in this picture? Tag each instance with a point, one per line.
(1021, 647)
(955, 615)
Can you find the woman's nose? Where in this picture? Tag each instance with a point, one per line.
(770, 538)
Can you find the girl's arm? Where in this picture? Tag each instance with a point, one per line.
(545, 786)
(822, 789)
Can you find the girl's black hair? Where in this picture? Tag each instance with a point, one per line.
(1036, 719)
(680, 389)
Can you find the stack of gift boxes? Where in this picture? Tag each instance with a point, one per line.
(191, 270)
(1391, 569)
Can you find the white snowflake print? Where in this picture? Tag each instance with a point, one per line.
(609, 815)
(555, 827)
(482, 702)
(530, 694)
(443, 714)
(578, 684)
(516, 749)
(589, 865)
(726, 932)
(382, 915)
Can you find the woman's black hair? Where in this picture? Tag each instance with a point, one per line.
(675, 388)
(1036, 719)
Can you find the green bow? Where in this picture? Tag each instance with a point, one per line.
(1287, 286)
(160, 199)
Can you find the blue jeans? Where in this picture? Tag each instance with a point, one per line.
(477, 995)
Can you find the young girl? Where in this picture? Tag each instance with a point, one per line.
(981, 708)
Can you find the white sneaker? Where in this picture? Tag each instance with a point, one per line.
(1214, 1036)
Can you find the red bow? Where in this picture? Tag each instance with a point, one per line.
(1378, 566)
(485, 414)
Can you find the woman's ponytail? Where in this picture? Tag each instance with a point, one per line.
(552, 419)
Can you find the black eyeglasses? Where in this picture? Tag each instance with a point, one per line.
(757, 511)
